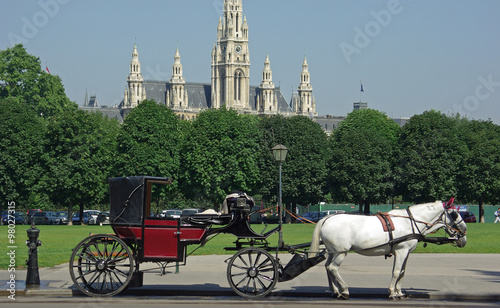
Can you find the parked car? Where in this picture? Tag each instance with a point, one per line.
(63, 217)
(174, 213)
(94, 214)
(468, 216)
(311, 216)
(187, 212)
(30, 214)
(20, 218)
(45, 218)
(103, 218)
(330, 212)
(75, 218)
(5, 217)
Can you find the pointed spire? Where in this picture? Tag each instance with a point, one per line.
(177, 68)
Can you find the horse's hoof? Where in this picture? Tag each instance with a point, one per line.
(343, 297)
(397, 298)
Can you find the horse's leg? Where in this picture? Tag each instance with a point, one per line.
(337, 284)
(332, 283)
(398, 272)
(400, 294)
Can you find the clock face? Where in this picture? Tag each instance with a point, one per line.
(238, 48)
(224, 48)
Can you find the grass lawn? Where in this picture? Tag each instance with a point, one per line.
(58, 241)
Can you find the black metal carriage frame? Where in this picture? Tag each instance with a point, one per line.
(106, 264)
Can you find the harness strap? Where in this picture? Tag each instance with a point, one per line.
(388, 226)
(385, 219)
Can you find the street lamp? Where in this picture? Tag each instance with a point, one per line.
(279, 153)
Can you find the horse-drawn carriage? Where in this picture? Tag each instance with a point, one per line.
(106, 264)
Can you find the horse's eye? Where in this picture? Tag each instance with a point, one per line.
(454, 215)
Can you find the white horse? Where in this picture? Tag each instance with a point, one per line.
(365, 235)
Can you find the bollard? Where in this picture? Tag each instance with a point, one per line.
(32, 276)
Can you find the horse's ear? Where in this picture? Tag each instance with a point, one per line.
(449, 203)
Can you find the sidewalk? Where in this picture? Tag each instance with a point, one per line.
(467, 277)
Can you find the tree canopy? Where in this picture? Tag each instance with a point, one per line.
(431, 153)
(221, 154)
(78, 157)
(363, 150)
(22, 78)
(304, 170)
(21, 146)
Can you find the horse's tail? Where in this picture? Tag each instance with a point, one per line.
(314, 249)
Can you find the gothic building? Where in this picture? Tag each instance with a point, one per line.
(230, 84)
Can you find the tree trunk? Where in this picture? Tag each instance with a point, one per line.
(81, 213)
(288, 218)
(481, 209)
(367, 207)
(70, 219)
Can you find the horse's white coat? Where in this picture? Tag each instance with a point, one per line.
(342, 233)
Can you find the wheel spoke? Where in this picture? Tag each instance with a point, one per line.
(242, 260)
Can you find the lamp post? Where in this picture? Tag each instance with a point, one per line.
(279, 152)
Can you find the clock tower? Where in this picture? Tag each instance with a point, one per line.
(231, 59)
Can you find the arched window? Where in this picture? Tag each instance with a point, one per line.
(237, 85)
(222, 86)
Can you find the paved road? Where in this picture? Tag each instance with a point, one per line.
(211, 302)
(430, 277)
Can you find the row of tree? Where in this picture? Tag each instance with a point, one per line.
(54, 155)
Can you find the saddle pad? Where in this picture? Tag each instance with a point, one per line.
(386, 221)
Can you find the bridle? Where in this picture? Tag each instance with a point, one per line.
(452, 228)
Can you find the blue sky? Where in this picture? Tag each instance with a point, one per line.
(411, 56)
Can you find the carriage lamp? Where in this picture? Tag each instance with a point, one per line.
(279, 152)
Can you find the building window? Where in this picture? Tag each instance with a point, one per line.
(237, 85)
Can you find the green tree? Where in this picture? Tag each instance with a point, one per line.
(21, 77)
(149, 144)
(479, 177)
(21, 146)
(431, 153)
(220, 155)
(79, 154)
(361, 165)
(304, 170)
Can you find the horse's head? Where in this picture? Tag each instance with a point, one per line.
(454, 224)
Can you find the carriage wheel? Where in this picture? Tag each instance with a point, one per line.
(101, 265)
(252, 272)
